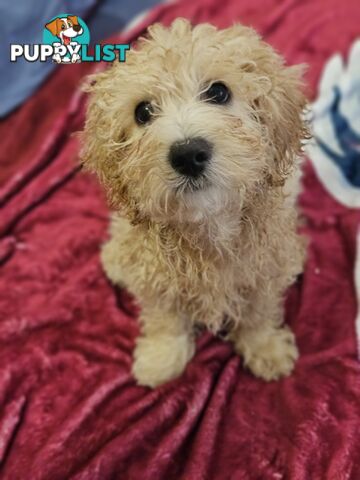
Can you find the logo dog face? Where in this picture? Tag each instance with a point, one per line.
(65, 28)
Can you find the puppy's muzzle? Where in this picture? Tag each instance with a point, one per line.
(190, 157)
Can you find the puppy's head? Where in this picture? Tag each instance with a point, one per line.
(196, 119)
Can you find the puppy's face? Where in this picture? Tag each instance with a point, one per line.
(195, 120)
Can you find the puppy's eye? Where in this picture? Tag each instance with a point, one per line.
(218, 93)
(62, 27)
(143, 113)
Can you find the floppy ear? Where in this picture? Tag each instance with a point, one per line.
(278, 99)
(99, 153)
(53, 27)
(74, 19)
(282, 111)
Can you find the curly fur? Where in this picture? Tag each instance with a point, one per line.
(226, 250)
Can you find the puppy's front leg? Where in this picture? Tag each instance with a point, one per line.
(163, 349)
(268, 348)
(269, 352)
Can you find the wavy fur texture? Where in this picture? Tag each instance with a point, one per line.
(227, 249)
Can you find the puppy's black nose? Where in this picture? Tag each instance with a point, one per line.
(190, 157)
(77, 28)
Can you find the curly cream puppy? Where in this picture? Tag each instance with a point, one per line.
(196, 139)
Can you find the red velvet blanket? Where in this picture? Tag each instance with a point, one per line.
(69, 407)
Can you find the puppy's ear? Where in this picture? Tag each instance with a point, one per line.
(104, 143)
(282, 111)
(53, 27)
(74, 19)
(96, 152)
(278, 100)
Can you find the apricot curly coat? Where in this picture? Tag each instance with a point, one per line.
(230, 249)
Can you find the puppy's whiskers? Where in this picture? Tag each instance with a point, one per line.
(190, 185)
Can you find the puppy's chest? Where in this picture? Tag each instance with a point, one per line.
(212, 290)
(209, 275)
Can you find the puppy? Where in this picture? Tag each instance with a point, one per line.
(66, 29)
(196, 139)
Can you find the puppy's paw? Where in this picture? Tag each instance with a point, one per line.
(160, 358)
(269, 354)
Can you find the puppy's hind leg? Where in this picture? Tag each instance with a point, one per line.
(113, 252)
(163, 349)
(112, 263)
